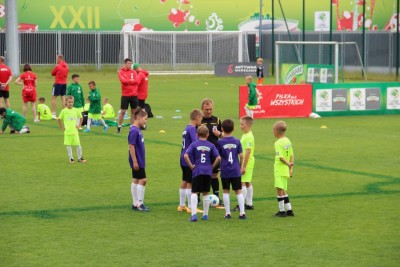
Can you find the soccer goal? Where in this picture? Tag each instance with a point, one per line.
(315, 62)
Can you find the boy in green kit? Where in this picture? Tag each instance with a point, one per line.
(283, 168)
(252, 99)
(247, 141)
(95, 107)
(14, 120)
(67, 122)
(75, 89)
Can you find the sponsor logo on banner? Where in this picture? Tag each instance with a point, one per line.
(279, 101)
(324, 100)
(293, 74)
(393, 98)
(238, 69)
(357, 99)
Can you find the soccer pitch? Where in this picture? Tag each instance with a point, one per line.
(344, 190)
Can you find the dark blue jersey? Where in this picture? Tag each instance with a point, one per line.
(189, 135)
(200, 154)
(135, 137)
(229, 149)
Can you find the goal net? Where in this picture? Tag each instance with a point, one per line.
(184, 50)
(316, 62)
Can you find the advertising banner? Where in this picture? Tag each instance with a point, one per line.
(293, 74)
(201, 15)
(320, 73)
(238, 69)
(356, 99)
(279, 101)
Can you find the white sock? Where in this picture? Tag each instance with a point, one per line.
(244, 191)
(240, 200)
(189, 197)
(103, 122)
(227, 204)
(287, 205)
(88, 123)
(182, 195)
(281, 204)
(140, 190)
(247, 111)
(69, 151)
(134, 193)
(206, 204)
(79, 151)
(194, 203)
(249, 196)
(23, 130)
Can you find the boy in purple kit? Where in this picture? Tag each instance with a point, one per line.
(231, 153)
(189, 135)
(137, 160)
(198, 158)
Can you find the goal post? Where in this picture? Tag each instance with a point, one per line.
(327, 57)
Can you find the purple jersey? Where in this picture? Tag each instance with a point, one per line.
(188, 136)
(229, 149)
(135, 137)
(200, 153)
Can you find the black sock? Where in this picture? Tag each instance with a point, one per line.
(215, 186)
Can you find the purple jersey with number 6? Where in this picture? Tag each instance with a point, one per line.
(229, 149)
(188, 136)
(135, 137)
(200, 154)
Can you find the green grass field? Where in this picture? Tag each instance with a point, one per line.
(344, 191)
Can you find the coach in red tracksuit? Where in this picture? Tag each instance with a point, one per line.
(129, 84)
(143, 86)
(60, 72)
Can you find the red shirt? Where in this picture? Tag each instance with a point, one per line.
(60, 72)
(5, 74)
(143, 85)
(129, 81)
(29, 78)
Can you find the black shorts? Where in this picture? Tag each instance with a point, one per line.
(140, 174)
(127, 101)
(59, 89)
(142, 103)
(186, 174)
(201, 184)
(4, 94)
(236, 183)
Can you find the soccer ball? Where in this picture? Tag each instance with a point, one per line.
(214, 200)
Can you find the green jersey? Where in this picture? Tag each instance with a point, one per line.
(283, 149)
(252, 101)
(95, 101)
(14, 120)
(76, 91)
(247, 141)
(69, 118)
(44, 111)
(108, 111)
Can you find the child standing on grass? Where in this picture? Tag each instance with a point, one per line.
(137, 160)
(247, 141)
(189, 136)
(230, 150)
(67, 122)
(95, 107)
(260, 71)
(283, 168)
(198, 158)
(252, 97)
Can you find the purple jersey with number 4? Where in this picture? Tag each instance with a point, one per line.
(229, 149)
(188, 136)
(200, 154)
(135, 137)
